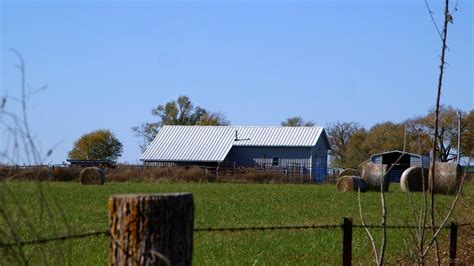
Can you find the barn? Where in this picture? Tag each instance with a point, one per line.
(302, 149)
(389, 158)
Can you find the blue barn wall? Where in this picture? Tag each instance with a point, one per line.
(260, 156)
(417, 161)
(306, 160)
(319, 161)
(377, 159)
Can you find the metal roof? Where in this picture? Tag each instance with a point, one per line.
(396, 151)
(212, 143)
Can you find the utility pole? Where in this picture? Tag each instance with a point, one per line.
(459, 137)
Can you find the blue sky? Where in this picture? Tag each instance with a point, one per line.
(108, 63)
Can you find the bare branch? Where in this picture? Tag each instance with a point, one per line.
(369, 234)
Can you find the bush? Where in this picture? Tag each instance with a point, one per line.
(29, 174)
(127, 173)
(123, 174)
(66, 173)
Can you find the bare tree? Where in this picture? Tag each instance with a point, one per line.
(423, 244)
(340, 134)
(297, 121)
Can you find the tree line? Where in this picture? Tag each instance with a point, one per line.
(351, 143)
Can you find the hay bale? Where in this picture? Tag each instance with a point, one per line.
(92, 176)
(412, 179)
(351, 183)
(447, 178)
(372, 174)
(349, 172)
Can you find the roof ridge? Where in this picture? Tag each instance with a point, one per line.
(230, 126)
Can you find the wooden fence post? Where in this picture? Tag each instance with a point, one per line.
(453, 242)
(347, 242)
(151, 229)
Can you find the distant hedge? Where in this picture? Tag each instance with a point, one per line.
(124, 173)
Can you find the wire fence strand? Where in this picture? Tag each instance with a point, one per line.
(53, 239)
(219, 229)
(265, 228)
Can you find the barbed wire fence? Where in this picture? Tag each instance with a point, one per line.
(232, 229)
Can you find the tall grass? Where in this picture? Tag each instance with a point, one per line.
(223, 205)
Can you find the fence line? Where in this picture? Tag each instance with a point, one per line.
(53, 239)
(222, 229)
(294, 174)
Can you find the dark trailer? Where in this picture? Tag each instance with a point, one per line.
(406, 160)
(92, 163)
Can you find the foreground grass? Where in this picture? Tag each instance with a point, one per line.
(73, 208)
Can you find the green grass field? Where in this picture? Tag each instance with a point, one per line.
(84, 208)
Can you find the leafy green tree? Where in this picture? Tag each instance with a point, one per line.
(352, 144)
(297, 121)
(97, 145)
(385, 136)
(467, 136)
(357, 150)
(178, 112)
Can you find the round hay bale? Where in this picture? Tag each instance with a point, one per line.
(351, 183)
(92, 176)
(447, 178)
(349, 172)
(412, 179)
(344, 184)
(372, 174)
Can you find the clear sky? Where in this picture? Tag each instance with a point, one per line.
(108, 63)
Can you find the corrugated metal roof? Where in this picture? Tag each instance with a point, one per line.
(212, 143)
(396, 151)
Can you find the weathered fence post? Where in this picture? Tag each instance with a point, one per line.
(347, 242)
(151, 229)
(453, 242)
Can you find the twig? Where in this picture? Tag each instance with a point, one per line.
(432, 19)
(438, 98)
(384, 215)
(369, 234)
(453, 205)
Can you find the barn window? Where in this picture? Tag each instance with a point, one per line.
(275, 161)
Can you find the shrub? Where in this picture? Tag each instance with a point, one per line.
(66, 173)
